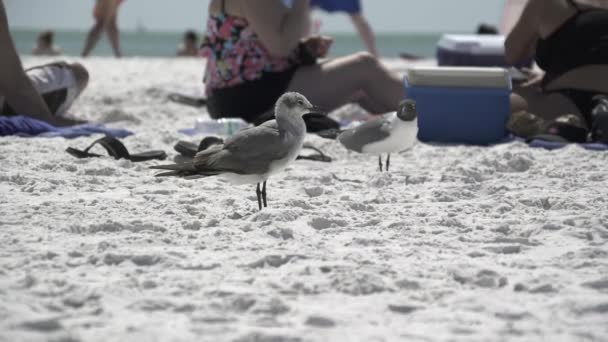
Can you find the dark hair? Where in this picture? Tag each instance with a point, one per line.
(46, 36)
(486, 29)
(191, 35)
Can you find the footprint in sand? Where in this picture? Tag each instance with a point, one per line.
(320, 322)
(482, 278)
(42, 325)
(321, 223)
(274, 260)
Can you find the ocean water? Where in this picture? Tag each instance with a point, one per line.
(163, 44)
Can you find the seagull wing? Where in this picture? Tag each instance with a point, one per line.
(250, 151)
(367, 133)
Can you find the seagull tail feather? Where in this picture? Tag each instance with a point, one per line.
(183, 169)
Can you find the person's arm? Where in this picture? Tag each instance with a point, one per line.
(365, 31)
(279, 29)
(520, 44)
(14, 83)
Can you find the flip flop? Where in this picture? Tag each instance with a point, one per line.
(188, 100)
(320, 156)
(188, 149)
(117, 150)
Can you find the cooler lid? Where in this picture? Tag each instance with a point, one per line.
(481, 44)
(466, 77)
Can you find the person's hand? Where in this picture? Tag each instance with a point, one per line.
(318, 45)
(533, 78)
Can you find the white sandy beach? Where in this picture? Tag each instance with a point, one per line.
(505, 243)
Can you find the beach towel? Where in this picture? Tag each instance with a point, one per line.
(28, 127)
(552, 145)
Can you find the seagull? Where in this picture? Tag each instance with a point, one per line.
(253, 154)
(393, 132)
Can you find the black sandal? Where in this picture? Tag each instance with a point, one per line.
(320, 156)
(197, 102)
(117, 150)
(188, 149)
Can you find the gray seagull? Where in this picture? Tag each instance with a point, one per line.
(253, 154)
(393, 132)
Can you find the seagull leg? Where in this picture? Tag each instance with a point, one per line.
(388, 162)
(264, 194)
(259, 194)
(380, 162)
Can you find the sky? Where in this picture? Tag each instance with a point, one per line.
(177, 15)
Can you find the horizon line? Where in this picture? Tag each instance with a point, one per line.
(171, 31)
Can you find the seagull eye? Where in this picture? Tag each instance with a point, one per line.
(300, 102)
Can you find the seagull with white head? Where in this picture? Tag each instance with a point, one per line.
(393, 132)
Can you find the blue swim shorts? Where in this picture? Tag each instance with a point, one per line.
(348, 6)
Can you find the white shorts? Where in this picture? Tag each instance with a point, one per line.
(56, 84)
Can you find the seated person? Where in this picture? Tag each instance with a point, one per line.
(189, 46)
(59, 84)
(354, 10)
(567, 38)
(45, 45)
(19, 91)
(256, 52)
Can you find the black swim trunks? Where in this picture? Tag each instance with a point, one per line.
(251, 99)
(581, 40)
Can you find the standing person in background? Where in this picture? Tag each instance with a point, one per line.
(44, 46)
(105, 14)
(189, 46)
(354, 10)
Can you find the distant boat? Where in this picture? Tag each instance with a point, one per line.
(140, 27)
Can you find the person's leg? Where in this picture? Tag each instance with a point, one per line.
(366, 33)
(343, 80)
(114, 35)
(92, 38)
(547, 106)
(101, 13)
(588, 78)
(518, 103)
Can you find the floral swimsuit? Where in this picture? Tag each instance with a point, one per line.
(242, 78)
(235, 54)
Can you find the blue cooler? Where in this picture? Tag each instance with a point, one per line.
(460, 105)
(473, 50)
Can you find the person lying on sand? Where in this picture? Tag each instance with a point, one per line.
(44, 45)
(255, 52)
(105, 14)
(25, 93)
(568, 40)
